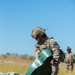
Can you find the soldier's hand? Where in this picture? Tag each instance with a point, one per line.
(70, 59)
(52, 62)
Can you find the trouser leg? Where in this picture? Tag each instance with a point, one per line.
(55, 69)
(71, 67)
(67, 67)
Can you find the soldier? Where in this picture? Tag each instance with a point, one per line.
(44, 42)
(69, 57)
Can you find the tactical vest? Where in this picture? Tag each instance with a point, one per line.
(54, 47)
(68, 57)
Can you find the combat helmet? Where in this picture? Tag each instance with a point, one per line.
(68, 48)
(38, 31)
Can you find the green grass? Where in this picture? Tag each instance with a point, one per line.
(63, 72)
(14, 68)
(21, 65)
(21, 69)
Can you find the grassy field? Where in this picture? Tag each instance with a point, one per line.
(21, 65)
(21, 69)
(62, 72)
(13, 68)
(14, 64)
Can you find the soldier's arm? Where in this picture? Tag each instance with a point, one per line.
(73, 56)
(65, 60)
(55, 48)
(36, 51)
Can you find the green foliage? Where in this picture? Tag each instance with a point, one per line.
(24, 56)
(8, 53)
(4, 56)
(31, 58)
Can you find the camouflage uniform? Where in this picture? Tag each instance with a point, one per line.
(50, 44)
(69, 60)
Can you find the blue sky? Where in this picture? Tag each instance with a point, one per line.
(19, 17)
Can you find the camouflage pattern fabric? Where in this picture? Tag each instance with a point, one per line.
(55, 69)
(37, 32)
(69, 61)
(52, 45)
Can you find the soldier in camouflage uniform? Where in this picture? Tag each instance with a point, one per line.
(44, 42)
(69, 57)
